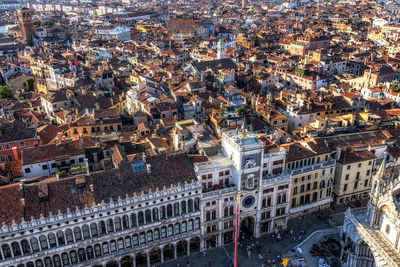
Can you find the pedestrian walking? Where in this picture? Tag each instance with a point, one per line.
(204, 253)
(260, 257)
(249, 254)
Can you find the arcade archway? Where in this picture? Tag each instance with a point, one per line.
(247, 227)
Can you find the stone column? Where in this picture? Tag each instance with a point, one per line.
(188, 247)
(202, 245)
(162, 254)
(133, 261)
(175, 252)
(148, 259)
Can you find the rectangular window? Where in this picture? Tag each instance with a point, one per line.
(348, 167)
(221, 174)
(355, 185)
(27, 170)
(44, 167)
(366, 183)
(302, 188)
(81, 160)
(347, 177)
(345, 188)
(22, 144)
(293, 202)
(368, 172)
(10, 158)
(295, 190)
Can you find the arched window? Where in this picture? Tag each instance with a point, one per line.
(128, 242)
(39, 263)
(197, 223)
(60, 238)
(149, 236)
(52, 240)
(120, 244)
(183, 206)
(264, 202)
(148, 216)
(284, 198)
(65, 259)
(56, 261)
(190, 225)
(183, 227)
(214, 215)
(133, 219)
(170, 230)
(155, 214)
(269, 202)
(113, 246)
(231, 211)
(196, 204)
(102, 228)
(16, 249)
(81, 254)
(110, 225)
(190, 205)
(140, 218)
(169, 210)
(278, 200)
(97, 250)
(69, 237)
(30, 264)
(89, 252)
(162, 213)
(226, 212)
(117, 222)
(86, 232)
(156, 234)
(177, 229)
(25, 247)
(48, 262)
(43, 242)
(105, 248)
(73, 256)
(78, 234)
(93, 229)
(208, 216)
(34, 244)
(176, 209)
(125, 221)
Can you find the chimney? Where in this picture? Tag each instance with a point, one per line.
(15, 153)
(338, 153)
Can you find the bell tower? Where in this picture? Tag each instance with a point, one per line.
(25, 22)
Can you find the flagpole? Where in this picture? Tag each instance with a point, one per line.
(236, 229)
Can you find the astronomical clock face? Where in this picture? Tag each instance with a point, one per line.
(248, 201)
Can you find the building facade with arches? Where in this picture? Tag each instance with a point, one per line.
(371, 236)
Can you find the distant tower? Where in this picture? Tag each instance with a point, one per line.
(25, 22)
(221, 49)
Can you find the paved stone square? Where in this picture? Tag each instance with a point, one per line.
(270, 248)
